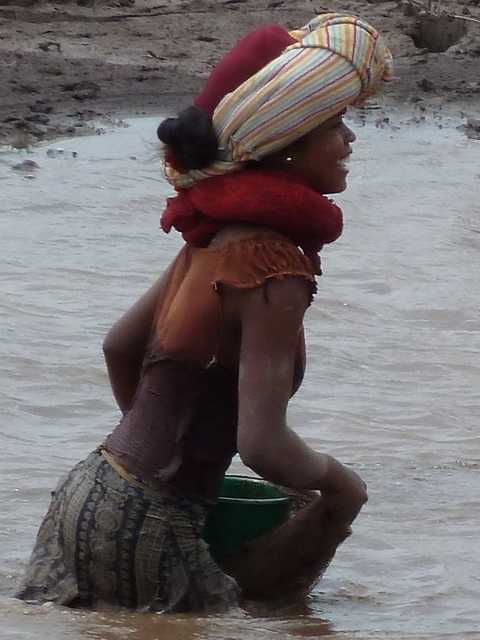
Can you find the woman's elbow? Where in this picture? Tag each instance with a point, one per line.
(108, 350)
(253, 455)
(113, 356)
(112, 347)
(108, 344)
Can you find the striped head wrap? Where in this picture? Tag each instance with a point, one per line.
(333, 62)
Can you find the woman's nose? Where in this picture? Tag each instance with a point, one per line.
(349, 135)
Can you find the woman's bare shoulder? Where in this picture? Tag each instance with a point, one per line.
(241, 232)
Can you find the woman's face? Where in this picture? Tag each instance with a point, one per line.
(320, 157)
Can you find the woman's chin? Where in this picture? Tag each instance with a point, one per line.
(336, 183)
(340, 186)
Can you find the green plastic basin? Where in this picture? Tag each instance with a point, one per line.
(246, 509)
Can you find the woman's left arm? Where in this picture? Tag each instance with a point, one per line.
(124, 345)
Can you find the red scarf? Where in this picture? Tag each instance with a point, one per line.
(273, 199)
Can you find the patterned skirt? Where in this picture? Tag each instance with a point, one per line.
(105, 541)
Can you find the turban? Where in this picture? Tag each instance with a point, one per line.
(276, 86)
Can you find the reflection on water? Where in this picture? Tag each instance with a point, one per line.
(289, 623)
(392, 385)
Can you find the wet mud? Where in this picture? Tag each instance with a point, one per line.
(67, 64)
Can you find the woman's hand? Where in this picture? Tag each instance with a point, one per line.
(344, 492)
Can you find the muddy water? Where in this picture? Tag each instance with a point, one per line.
(393, 384)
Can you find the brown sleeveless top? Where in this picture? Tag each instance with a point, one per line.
(180, 434)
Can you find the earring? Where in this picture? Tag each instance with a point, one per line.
(289, 159)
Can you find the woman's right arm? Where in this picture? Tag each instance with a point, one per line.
(124, 345)
(270, 329)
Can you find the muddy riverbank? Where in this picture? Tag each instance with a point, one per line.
(68, 64)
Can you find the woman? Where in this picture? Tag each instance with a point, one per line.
(205, 363)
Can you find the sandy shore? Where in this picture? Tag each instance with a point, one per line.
(68, 63)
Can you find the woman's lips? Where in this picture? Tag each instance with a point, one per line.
(343, 163)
